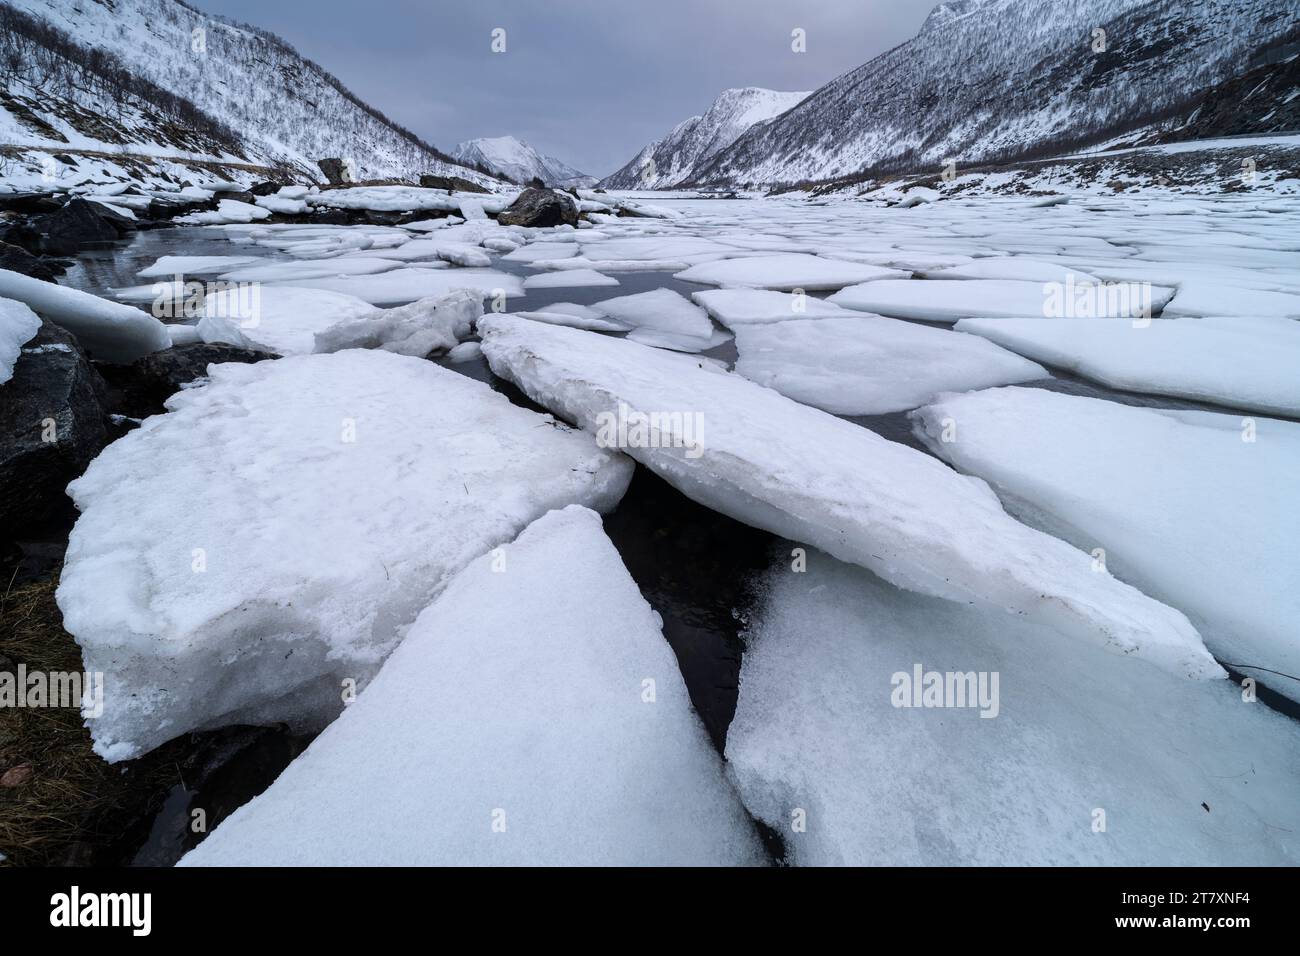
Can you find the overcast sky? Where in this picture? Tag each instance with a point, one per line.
(587, 81)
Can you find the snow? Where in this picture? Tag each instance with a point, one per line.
(283, 204)
(1010, 267)
(785, 272)
(107, 330)
(772, 463)
(464, 352)
(1077, 731)
(400, 286)
(425, 326)
(1239, 362)
(661, 318)
(18, 324)
(868, 365)
(737, 307)
(571, 278)
(1185, 506)
(938, 300)
(1213, 298)
(516, 699)
(387, 199)
(267, 539)
(227, 211)
(281, 319)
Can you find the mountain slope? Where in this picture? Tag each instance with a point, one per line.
(692, 143)
(515, 159)
(1007, 79)
(99, 74)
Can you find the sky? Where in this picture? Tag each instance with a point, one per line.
(587, 81)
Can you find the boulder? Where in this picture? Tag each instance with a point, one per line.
(540, 207)
(80, 222)
(17, 259)
(451, 184)
(139, 390)
(266, 188)
(336, 171)
(51, 426)
(29, 203)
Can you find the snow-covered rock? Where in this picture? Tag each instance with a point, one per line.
(512, 727)
(770, 462)
(868, 365)
(17, 326)
(1091, 759)
(1240, 362)
(107, 330)
(1195, 508)
(243, 557)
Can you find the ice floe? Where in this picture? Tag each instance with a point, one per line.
(245, 556)
(533, 715)
(785, 273)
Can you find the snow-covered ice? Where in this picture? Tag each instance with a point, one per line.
(785, 273)
(1196, 508)
(1185, 773)
(569, 278)
(736, 307)
(107, 330)
(1240, 362)
(868, 365)
(765, 460)
(282, 319)
(947, 300)
(424, 326)
(510, 728)
(240, 557)
(401, 286)
(662, 318)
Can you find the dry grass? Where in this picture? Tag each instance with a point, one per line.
(74, 808)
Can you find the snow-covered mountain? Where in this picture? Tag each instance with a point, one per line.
(515, 159)
(987, 80)
(675, 158)
(160, 78)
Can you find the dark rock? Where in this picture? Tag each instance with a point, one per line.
(451, 183)
(267, 188)
(536, 183)
(29, 203)
(51, 426)
(78, 223)
(139, 390)
(335, 170)
(540, 207)
(18, 259)
(17, 231)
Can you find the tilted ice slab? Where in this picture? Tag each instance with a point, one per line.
(736, 307)
(18, 324)
(168, 266)
(239, 557)
(763, 459)
(661, 318)
(785, 272)
(283, 319)
(938, 300)
(510, 728)
(401, 286)
(588, 318)
(1184, 773)
(868, 365)
(1182, 506)
(1244, 363)
(107, 330)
